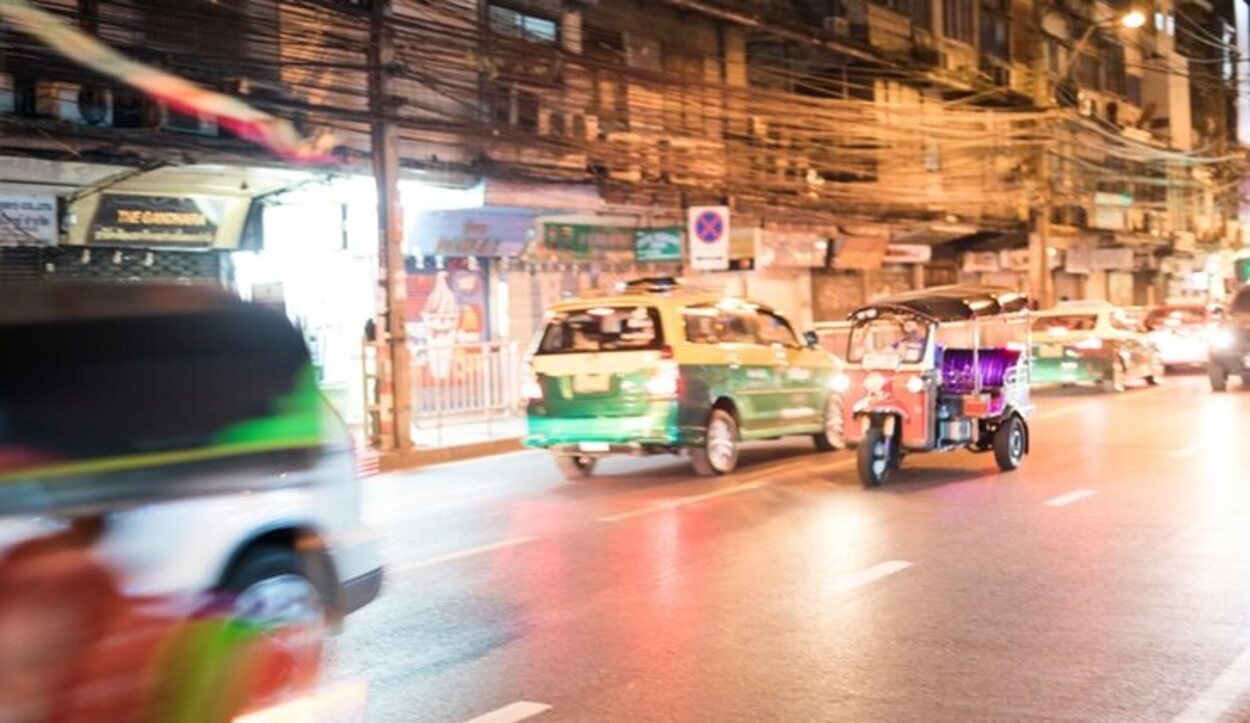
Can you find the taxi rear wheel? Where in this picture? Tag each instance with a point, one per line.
(1114, 382)
(719, 453)
(576, 466)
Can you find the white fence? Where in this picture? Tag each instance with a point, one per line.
(465, 386)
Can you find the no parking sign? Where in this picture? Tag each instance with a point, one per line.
(708, 228)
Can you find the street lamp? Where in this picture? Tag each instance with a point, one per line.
(1040, 252)
(1133, 19)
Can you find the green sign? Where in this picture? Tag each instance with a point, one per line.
(569, 238)
(657, 244)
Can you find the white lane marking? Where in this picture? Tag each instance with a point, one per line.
(512, 712)
(1069, 497)
(417, 564)
(1221, 696)
(681, 501)
(1126, 396)
(869, 576)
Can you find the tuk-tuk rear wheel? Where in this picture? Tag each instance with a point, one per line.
(874, 457)
(1010, 443)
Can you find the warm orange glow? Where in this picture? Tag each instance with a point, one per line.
(1133, 19)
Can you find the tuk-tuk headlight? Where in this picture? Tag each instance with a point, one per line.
(840, 383)
(915, 384)
(874, 383)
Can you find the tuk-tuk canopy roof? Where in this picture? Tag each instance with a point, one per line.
(953, 303)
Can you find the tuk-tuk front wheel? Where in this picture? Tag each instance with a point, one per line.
(875, 457)
(1009, 444)
(1218, 376)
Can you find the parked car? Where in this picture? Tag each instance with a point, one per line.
(189, 423)
(1180, 333)
(1092, 342)
(1229, 343)
(662, 368)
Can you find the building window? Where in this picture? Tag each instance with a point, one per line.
(995, 36)
(959, 20)
(527, 111)
(920, 11)
(510, 23)
(683, 99)
(511, 106)
(1114, 77)
(604, 50)
(1133, 87)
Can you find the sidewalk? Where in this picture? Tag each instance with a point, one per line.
(456, 441)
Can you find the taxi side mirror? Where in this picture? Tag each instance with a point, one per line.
(811, 340)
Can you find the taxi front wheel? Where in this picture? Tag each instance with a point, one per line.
(833, 436)
(575, 466)
(719, 453)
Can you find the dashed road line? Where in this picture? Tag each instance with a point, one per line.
(513, 712)
(752, 482)
(1221, 696)
(681, 501)
(1068, 498)
(1124, 397)
(427, 562)
(870, 575)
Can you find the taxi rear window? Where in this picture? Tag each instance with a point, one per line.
(1066, 322)
(602, 329)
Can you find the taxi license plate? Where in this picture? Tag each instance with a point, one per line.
(592, 383)
(594, 447)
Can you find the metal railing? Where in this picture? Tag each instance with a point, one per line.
(465, 385)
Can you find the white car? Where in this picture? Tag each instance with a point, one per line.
(190, 425)
(1181, 334)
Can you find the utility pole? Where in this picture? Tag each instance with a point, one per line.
(392, 431)
(1039, 237)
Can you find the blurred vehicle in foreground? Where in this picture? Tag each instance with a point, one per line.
(1092, 342)
(1229, 343)
(940, 369)
(1180, 333)
(169, 466)
(660, 368)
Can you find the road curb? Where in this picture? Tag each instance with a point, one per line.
(400, 460)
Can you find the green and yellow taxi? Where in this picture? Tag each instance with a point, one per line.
(660, 368)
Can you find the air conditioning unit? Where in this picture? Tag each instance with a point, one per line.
(1088, 107)
(192, 123)
(838, 27)
(999, 75)
(84, 105)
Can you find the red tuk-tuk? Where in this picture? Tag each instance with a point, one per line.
(938, 370)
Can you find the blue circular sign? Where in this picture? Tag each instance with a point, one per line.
(709, 227)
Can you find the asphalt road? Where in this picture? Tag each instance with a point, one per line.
(1106, 580)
